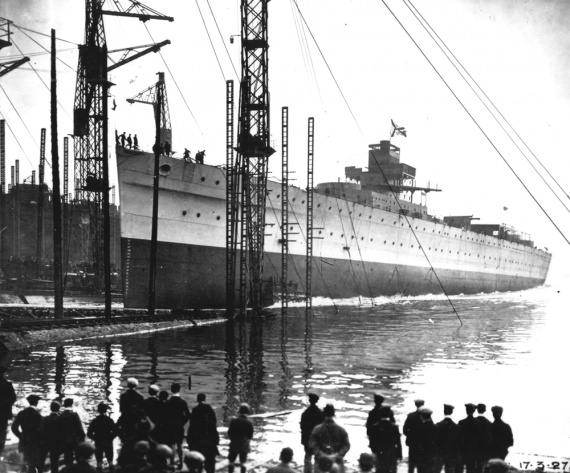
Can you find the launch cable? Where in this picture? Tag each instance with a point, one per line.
(360, 253)
(417, 240)
(478, 126)
(429, 32)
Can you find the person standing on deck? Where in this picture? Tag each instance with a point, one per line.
(167, 148)
(501, 435)
(469, 440)
(373, 415)
(130, 141)
(330, 439)
(27, 426)
(413, 421)
(203, 434)
(123, 139)
(448, 443)
(135, 142)
(240, 433)
(310, 418)
(7, 400)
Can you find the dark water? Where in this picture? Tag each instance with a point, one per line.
(510, 350)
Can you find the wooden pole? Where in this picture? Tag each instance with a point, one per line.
(56, 201)
(154, 228)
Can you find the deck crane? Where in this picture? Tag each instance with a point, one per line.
(91, 133)
(155, 95)
(5, 34)
(253, 150)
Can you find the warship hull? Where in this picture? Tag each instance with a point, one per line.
(358, 251)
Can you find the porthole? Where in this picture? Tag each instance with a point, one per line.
(198, 215)
(165, 169)
(218, 217)
(360, 215)
(184, 212)
(202, 178)
(330, 208)
(278, 196)
(302, 201)
(293, 199)
(217, 182)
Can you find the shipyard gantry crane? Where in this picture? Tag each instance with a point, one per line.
(253, 148)
(90, 128)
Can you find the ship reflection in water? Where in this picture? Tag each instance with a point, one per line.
(508, 351)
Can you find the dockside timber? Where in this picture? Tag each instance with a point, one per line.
(364, 245)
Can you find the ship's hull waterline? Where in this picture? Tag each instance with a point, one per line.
(359, 250)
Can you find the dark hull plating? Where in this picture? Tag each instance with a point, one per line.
(193, 276)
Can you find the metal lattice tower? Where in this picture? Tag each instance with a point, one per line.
(231, 202)
(284, 208)
(309, 264)
(88, 129)
(90, 126)
(253, 145)
(40, 225)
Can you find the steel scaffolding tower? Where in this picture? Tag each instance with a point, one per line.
(253, 147)
(90, 127)
(284, 208)
(309, 264)
(40, 225)
(231, 202)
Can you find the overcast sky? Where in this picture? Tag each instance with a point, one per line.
(517, 52)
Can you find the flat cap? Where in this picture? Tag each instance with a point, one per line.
(498, 409)
(425, 411)
(385, 412)
(133, 382)
(419, 402)
(378, 397)
(471, 405)
(313, 397)
(328, 411)
(244, 408)
(33, 398)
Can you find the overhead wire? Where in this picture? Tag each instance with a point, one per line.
(43, 82)
(222, 38)
(49, 52)
(430, 31)
(328, 67)
(477, 124)
(176, 83)
(17, 140)
(418, 241)
(211, 42)
(44, 34)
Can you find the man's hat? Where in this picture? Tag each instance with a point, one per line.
(448, 409)
(243, 408)
(497, 409)
(55, 406)
(481, 408)
(84, 450)
(419, 402)
(313, 397)
(153, 388)
(471, 405)
(33, 398)
(328, 411)
(102, 407)
(378, 398)
(132, 382)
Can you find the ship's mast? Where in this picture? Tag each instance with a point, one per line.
(253, 147)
